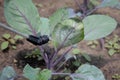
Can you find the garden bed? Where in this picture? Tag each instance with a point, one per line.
(110, 65)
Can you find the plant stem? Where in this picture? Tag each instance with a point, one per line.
(102, 43)
(85, 6)
(62, 56)
(63, 74)
(60, 66)
(90, 12)
(43, 55)
(62, 44)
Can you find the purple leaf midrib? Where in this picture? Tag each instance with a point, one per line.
(27, 21)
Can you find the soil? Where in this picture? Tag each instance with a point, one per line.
(109, 65)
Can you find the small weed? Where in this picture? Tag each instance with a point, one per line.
(92, 44)
(116, 76)
(34, 54)
(9, 41)
(113, 45)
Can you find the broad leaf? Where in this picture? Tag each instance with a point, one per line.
(57, 17)
(31, 73)
(88, 72)
(69, 32)
(109, 3)
(22, 15)
(45, 28)
(45, 75)
(4, 45)
(98, 26)
(8, 73)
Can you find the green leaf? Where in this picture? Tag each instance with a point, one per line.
(45, 74)
(6, 36)
(12, 41)
(57, 17)
(8, 73)
(76, 51)
(14, 47)
(68, 34)
(86, 56)
(111, 52)
(108, 46)
(18, 37)
(95, 2)
(88, 72)
(117, 6)
(96, 29)
(93, 46)
(45, 27)
(76, 63)
(31, 73)
(72, 13)
(109, 3)
(116, 46)
(4, 45)
(21, 16)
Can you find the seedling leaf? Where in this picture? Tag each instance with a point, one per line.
(76, 51)
(68, 34)
(95, 2)
(14, 47)
(6, 36)
(12, 41)
(57, 17)
(86, 56)
(31, 73)
(21, 16)
(45, 27)
(4, 45)
(111, 52)
(96, 29)
(8, 73)
(17, 37)
(88, 72)
(45, 74)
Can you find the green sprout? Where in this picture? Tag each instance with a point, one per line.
(113, 45)
(9, 41)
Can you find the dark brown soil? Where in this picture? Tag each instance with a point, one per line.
(109, 65)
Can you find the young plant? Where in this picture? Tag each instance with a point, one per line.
(9, 41)
(116, 76)
(93, 44)
(90, 6)
(63, 31)
(113, 45)
(34, 54)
